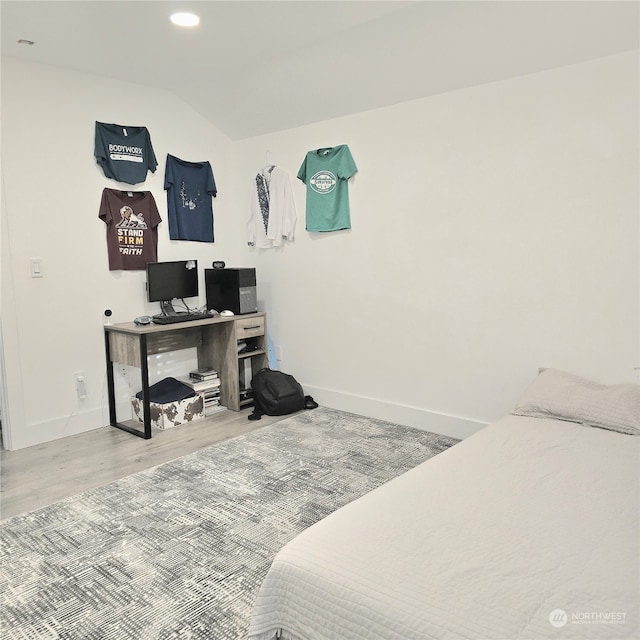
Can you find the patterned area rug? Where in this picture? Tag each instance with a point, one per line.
(179, 551)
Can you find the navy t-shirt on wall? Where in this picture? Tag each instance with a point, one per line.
(190, 187)
(124, 153)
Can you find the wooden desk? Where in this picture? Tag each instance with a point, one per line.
(216, 341)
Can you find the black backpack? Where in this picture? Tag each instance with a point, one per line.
(276, 394)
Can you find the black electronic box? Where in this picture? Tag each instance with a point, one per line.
(231, 289)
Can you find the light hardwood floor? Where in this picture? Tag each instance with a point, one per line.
(45, 473)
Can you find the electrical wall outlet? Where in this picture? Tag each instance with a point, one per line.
(278, 352)
(81, 386)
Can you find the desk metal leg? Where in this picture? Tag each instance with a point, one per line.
(144, 373)
(113, 420)
(110, 383)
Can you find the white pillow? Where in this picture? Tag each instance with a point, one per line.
(565, 396)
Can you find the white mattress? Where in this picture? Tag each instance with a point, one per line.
(485, 541)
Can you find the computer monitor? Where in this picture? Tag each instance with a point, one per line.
(167, 281)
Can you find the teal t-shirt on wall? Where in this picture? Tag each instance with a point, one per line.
(326, 173)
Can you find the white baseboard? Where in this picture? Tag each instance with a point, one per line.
(82, 421)
(78, 422)
(400, 414)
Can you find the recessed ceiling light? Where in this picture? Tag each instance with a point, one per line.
(185, 19)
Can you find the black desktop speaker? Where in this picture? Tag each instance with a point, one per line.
(232, 289)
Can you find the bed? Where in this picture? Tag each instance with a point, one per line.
(527, 529)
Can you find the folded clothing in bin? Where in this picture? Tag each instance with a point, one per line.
(171, 403)
(168, 390)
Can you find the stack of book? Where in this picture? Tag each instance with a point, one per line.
(207, 383)
(200, 375)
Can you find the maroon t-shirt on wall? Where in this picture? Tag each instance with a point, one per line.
(132, 221)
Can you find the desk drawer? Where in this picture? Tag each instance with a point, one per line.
(249, 327)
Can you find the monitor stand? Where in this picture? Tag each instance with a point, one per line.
(167, 308)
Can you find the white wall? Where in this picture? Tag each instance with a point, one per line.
(52, 326)
(495, 230)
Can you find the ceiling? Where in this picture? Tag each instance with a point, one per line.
(253, 67)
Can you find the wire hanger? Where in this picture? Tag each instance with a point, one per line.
(270, 165)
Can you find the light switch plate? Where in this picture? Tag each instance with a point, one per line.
(36, 268)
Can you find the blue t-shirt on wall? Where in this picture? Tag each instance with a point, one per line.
(190, 187)
(124, 153)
